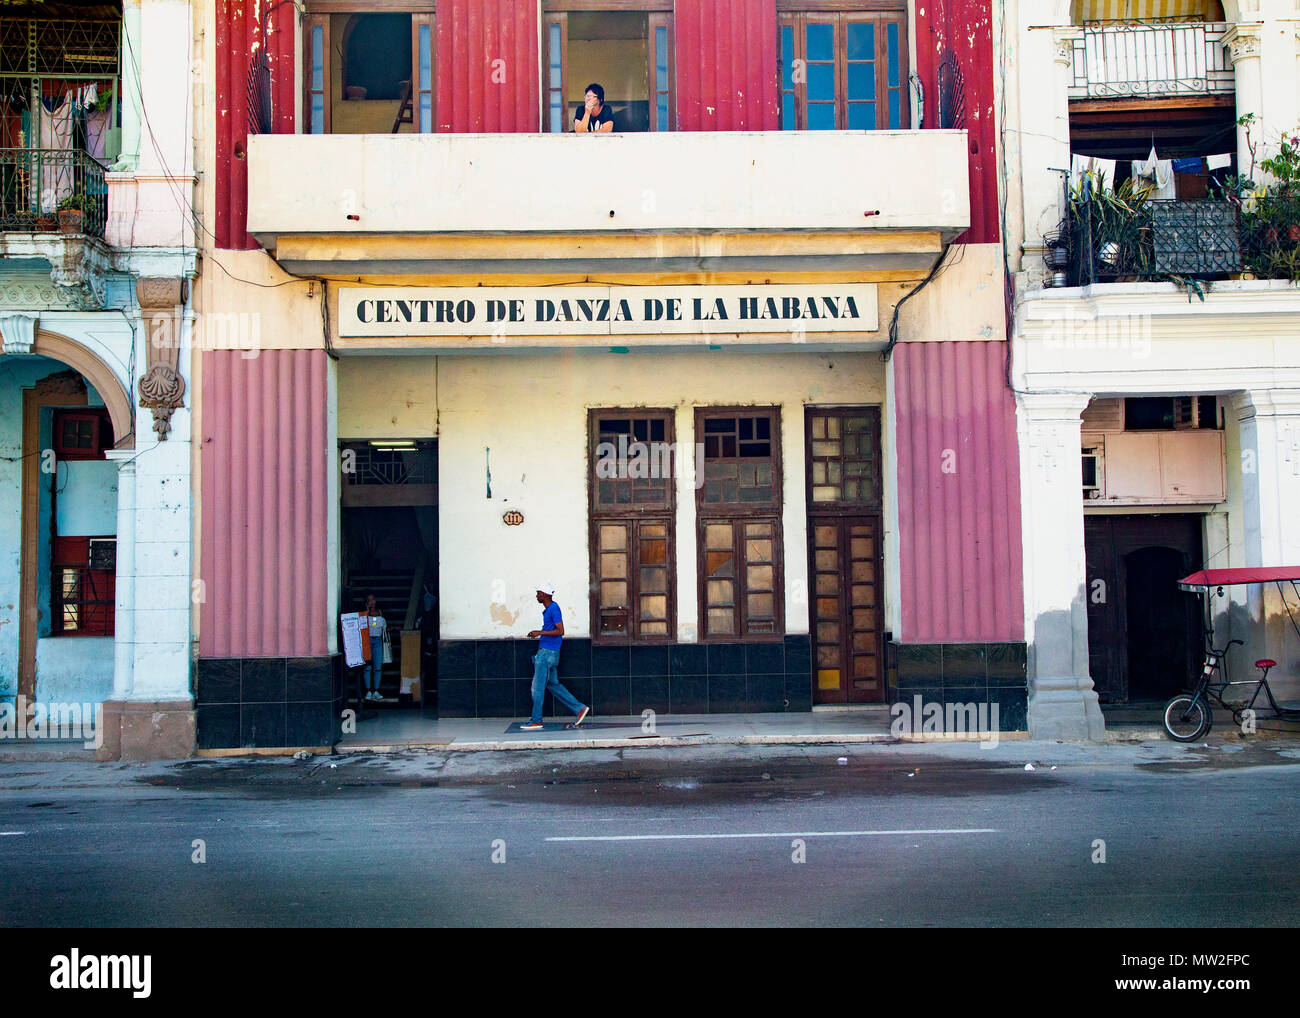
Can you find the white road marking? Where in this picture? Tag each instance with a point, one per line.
(771, 834)
(12, 834)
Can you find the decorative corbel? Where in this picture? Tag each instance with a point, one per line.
(161, 387)
(18, 332)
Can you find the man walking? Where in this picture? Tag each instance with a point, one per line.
(547, 659)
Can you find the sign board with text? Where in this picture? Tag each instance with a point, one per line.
(506, 311)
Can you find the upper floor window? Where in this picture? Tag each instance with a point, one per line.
(629, 53)
(369, 71)
(844, 71)
(82, 434)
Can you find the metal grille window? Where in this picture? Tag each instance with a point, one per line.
(739, 539)
(631, 501)
(83, 593)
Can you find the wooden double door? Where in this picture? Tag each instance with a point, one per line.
(845, 534)
(1144, 633)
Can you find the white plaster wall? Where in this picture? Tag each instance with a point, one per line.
(531, 413)
(87, 504)
(74, 669)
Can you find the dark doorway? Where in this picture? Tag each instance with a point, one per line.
(1159, 639)
(389, 545)
(1144, 634)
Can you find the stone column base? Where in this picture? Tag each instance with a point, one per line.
(147, 730)
(1065, 707)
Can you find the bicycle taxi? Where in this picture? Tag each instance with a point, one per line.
(1189, 716)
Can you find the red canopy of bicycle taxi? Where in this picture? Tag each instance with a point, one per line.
(1206, 579)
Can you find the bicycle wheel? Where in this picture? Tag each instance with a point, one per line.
(1187, 718)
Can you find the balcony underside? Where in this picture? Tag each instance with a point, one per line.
(870, 255)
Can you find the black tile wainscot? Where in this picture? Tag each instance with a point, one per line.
(263, 703)
(962, 673)
(492, 678)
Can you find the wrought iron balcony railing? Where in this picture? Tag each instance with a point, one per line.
(1150, 60)
(35, 182)
(1106, 241)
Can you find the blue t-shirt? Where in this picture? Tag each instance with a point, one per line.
(550, 618)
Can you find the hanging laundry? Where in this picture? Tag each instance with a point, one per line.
(1158, 174)
(1218, 162)
(1196, 165)
(56, 138)
(1089, 172)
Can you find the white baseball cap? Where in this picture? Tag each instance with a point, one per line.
(546, 588)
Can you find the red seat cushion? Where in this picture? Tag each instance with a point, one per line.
(1265, 663)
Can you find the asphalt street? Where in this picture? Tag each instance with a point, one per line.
(896, 835)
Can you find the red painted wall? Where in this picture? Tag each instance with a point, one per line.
(487, 66)
(239, 36)
(726, 57)
(958, 494)
(264, 545)
(966, 28)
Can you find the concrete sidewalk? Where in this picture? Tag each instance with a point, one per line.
(406, 730)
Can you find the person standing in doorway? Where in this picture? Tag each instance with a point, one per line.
(374, 668)
(547, 660)
(594, 116)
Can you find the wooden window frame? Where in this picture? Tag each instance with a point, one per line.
(737, 514)
(798, 16)
(596, 6)
(665, 21)
(842, 508)
(102, 435)
(550, 20)
(319, 13)
(659, 15)
(631, 515)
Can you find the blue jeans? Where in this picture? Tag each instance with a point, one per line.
(374, 668)
(544, 664)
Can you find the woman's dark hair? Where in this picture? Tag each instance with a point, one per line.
(598, 90)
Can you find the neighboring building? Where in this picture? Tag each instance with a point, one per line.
(1161, 340)
(96, 250)
(441, 307)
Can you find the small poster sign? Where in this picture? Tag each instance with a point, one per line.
(353, 653)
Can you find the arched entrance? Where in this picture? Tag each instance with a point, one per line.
(68, 529)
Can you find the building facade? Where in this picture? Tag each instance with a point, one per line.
(1154, 332)
(96, 253)
(732, 378)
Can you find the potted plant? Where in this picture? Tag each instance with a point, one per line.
(1115, 227)
(71, 213)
